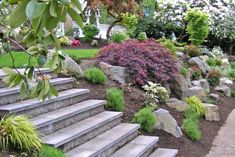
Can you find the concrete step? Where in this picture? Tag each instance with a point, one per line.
(45, 71)
(34, 107)
(52, 121)
(163, 152)
(12, 95)
(80, 132)
(141, 146)
(105, 144)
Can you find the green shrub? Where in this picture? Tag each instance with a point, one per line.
(213, 62)
(170, 46)
(232, 74)
(196, 75)
(89, 32)
(192, 50)
(47, 151)
(115, 99)
(214, 77)
(119, 37)
(184, 71)
(19, 133)
(95, 75)
(142, 36)
(232, 65)
(233, 93)
(146, 118)
(191, 128)
(195, 104)
(198, 25)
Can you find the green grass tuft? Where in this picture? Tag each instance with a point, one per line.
(95, 76)
(115, 99)
(47, 151)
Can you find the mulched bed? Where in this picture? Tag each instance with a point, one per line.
(187, 148)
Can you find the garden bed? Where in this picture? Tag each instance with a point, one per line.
(134, 100)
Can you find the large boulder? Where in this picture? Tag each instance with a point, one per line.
(212, 112)
(167, 123)
(71, 67)
(204, 67)
(205, 85)
(226, 81)
(224, 89)
(176, 104)
(179, 87)
(116, 73)
(198, 91)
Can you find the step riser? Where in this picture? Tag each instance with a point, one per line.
(88, 136)
(111, 150)
(51, 74)
(15, 97)
(149, 151)
(32, 112)
(48, 129)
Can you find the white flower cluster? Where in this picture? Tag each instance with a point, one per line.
(221, 12)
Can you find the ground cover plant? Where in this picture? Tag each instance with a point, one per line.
(48, 151)
(146, 118)
(95, 75)
(145, 61)
(195, 104)
(115, 99)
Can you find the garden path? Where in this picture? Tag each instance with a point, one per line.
(224, 143)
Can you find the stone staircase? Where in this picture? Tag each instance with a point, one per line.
(79, 125)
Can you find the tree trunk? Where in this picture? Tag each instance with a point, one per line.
(111, 26)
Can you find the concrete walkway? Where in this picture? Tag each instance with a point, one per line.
(224, 143)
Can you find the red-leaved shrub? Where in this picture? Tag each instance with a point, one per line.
(145, 61)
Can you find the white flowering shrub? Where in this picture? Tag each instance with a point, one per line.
(155, 93)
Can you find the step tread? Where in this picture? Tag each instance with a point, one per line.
(27, 104)
(43, 70)
(15, 90)
(104, 141)
(63, 113)
(163, 152)
(137, 147)
(73, 131)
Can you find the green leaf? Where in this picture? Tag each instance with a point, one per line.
(35, 9)
(33, 92)
(53, 90)
(75, 16)
(8, 71)
(36, 24)
(53, 8)
(77, 4)
(18, 12)
(23, 90)
(30, 73)
(63, 15)
(52, 23)
(16, 81)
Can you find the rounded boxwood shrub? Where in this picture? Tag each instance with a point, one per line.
(146, 118)
(145, 61)
(115, 99)
(95, 75)
(47, 151)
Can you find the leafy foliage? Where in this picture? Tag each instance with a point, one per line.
(184, 71)
(232, 65)
(142, 36)
(90, 31)
(190, 124)
(214, 77)
(115, 99)
(146, 118)
(119, 37)
(169, 45)
(47, 151)
(195, 104)
(213, 62)
(155, 93)
(233, 93)
(144, 61)
(18, 132)
(95, 75)
(198, 25)
(192, 50)
(232, 74)
(196, 75)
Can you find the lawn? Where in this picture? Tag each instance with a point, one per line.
(22, 59)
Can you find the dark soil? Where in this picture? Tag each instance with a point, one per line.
(187, 148)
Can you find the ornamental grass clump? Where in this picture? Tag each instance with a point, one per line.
(144, 60)
(146, 118)
(115, 99)
(95, 76)
(195, 104)
(18, 133)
